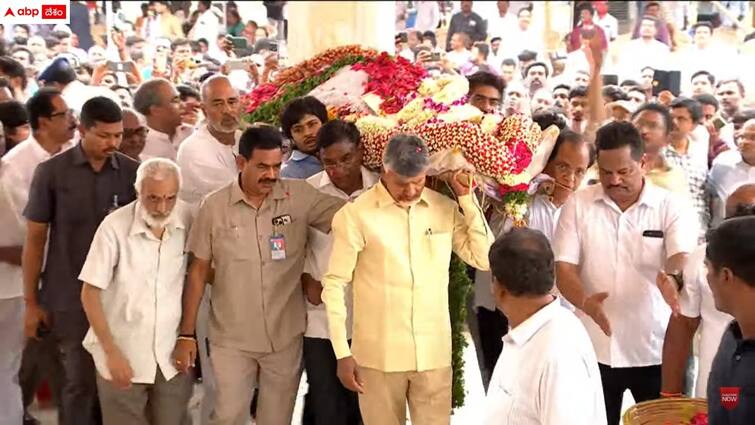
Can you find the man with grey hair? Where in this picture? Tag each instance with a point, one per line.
(133, 282)
(208, 157)
(134, 134)
(160, 104)
(394, 245)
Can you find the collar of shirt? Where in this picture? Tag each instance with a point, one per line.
(297, 155)
(651, 196)
(79, 158)
(203, 132)
(384, 197)
(527, 329)
(237, 193)
(322, 181)
(742, 344)
(139, 226)
(182, 132)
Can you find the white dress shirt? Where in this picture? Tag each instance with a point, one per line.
(142, 280)
(428, 16)
(609, 24)
(319, 246)
(206, 165)
(638, 54)
(696, 300)
(16, 173)
(543, 216)
(499, 26)
(160, 145)
(616, 255)
(458, 59)
(547, 374)
(18, 169)
(729, 171)
(207, 27)
(11, 279)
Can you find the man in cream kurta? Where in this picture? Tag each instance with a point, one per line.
(134, 278)
(394, 245)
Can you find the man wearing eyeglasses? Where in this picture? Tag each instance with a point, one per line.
(134, 135)
(340, 151)
(53, 127)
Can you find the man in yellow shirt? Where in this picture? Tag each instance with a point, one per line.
(394, 245)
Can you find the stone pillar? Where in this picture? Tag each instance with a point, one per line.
(314, 26)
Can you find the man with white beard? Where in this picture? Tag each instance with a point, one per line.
(133, 283)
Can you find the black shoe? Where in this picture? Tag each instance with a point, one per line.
(30, 420)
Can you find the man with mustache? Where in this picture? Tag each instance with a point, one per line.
(611, 242)
(730, 170)
(393, 245)
(345, 177)
(535, 76)
(70, 195)
(300, 120)
(690, 154)
(731, 94)
(53, 127)
(253, 232)
(133, 280)
(654, 122)
(134, 134)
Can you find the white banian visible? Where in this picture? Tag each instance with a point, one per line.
(319, 246)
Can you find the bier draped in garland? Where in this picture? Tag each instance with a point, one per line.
(386, 95)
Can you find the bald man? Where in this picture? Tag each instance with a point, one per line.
(697, 309)
(134, 134)
(732, 169)
(207, 157)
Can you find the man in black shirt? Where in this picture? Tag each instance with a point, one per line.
(468, 22)
(70, 195)
(731, 275)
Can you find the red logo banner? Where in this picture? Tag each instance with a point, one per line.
(729, 397)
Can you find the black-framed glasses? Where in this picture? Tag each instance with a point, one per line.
(67, 113)
(139, 131)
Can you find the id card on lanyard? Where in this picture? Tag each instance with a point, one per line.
(277, 245)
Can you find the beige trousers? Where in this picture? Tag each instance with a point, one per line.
(387, 393)
(237, 373)
(161, 403)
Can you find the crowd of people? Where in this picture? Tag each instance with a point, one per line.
(152, 238)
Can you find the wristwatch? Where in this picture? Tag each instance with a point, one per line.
(678, 278)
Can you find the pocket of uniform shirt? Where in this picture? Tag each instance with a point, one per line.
(650, 252)
(234, 242)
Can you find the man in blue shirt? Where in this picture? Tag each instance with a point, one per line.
(731, 275)
(300, 120)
